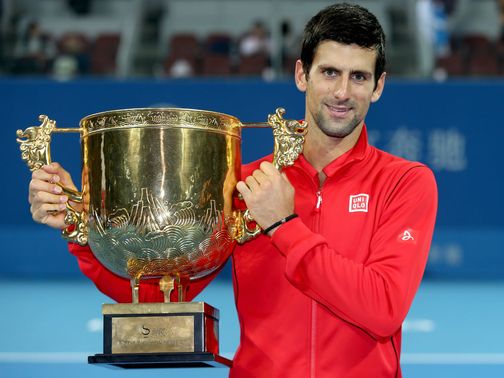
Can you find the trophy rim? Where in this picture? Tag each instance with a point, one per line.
(160, 117)
(122, 110)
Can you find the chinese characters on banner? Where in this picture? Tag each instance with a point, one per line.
(440, 149)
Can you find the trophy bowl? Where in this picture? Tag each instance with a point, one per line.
(158, 188)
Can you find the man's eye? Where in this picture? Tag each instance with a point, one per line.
(359, 77)
(330, 72)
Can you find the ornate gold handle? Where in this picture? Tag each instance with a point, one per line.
(288, 138)
(36, 152)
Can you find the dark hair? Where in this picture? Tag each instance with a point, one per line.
(348, 24)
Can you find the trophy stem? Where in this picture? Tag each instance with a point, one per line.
(135, 286)
(183, 287)
(166, 284)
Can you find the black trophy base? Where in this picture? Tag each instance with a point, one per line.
(160, 360)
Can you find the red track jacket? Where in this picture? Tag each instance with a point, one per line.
(327, 294)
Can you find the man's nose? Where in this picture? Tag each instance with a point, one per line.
(342, 87)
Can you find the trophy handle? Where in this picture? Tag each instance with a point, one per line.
(36, 152)
(288, 138)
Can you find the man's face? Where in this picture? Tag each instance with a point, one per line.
(339, 87)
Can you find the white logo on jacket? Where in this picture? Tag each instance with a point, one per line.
(407, 236)
(358, 203)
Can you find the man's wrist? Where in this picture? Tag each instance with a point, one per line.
(279, 223)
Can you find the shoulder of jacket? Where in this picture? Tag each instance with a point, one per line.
(395, 168)
(394, 163)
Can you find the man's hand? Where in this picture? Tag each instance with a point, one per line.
(46, 198)
(268, 194)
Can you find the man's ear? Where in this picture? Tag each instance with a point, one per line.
(300, 76)
(379, 88)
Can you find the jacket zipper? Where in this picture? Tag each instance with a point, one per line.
(316, 227)
(319, 201)
(313, 303)
(313, 338)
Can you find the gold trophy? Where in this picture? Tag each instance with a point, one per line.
(157, 201)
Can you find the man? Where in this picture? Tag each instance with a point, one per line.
(348, 227)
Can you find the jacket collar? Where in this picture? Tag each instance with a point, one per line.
(355, 154)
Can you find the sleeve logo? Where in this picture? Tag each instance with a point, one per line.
(358, 203)
(408, 235)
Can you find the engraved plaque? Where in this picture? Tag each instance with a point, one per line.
(153, 334)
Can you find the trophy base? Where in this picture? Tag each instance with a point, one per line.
(160, 360)
(160, 335)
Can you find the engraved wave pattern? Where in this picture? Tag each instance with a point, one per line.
(153, 239)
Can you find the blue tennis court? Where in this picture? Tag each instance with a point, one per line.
(454, 329)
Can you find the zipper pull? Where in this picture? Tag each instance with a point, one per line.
(319, 200)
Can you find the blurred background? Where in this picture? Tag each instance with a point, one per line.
(442, 106)
(64, 39)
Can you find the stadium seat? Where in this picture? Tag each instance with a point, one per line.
(253, 65)
(216, 65)
(483, 64)
(184, 45)
(453, 64)
(104, 54)
(218, 43)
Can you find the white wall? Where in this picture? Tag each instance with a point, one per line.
(235, 17)
(56, 18)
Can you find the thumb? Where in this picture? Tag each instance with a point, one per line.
(285, 177)
(55, 221)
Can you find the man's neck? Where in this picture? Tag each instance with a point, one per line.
(320, 150)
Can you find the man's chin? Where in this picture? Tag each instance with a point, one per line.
(337, 131)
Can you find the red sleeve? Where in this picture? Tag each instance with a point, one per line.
(118, 288)
(375, 295)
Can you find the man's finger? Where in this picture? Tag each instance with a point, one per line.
(42, 198)
(62, 175)
(251, 183)
(53, 168)
(42, 175)
(268, 168)
(259, 176)
(41, 191)
(42, 214)
(44, 186)
(284, 176)
(243, 189)
(66, 180)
